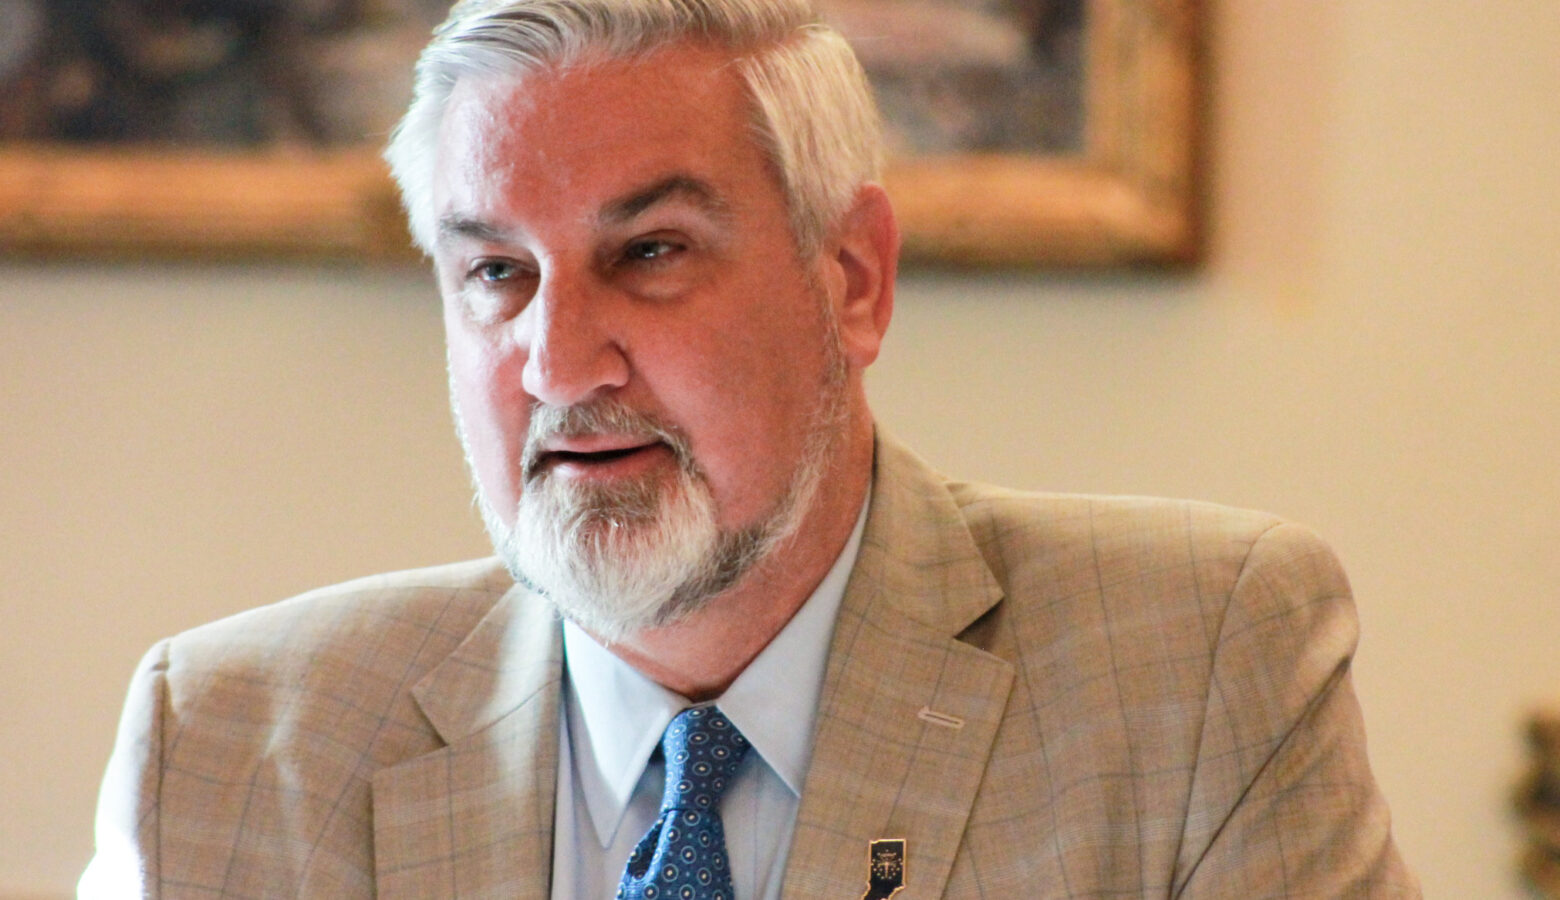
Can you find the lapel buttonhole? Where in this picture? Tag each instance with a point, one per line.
(927, 714)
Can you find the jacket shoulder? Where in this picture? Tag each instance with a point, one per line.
(381, 619)
(326, 675)
(265, 727)
(1143, 567)
(1108, 533)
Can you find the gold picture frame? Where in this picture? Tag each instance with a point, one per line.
(1130, 197)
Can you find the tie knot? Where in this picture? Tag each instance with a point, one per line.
(702, 750)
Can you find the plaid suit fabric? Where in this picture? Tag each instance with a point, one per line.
(1154, 702)
(1046, 696)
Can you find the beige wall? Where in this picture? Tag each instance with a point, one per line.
(1372, 349)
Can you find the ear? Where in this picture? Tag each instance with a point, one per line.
(863, 261)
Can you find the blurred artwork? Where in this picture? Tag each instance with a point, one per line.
(238, 73)
(1538, 804)
(953, 76)
(972, 76)
(1020, 132)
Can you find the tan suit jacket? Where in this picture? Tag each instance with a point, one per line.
(1045, 696)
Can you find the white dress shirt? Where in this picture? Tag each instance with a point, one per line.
(609, 789)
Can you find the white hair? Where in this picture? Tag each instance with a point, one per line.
(814, 115)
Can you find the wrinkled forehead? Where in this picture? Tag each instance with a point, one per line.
(572, 136)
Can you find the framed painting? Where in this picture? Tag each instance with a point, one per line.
(1021, 132)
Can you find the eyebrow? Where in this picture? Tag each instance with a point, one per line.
(674, 187)
(455, 225)
(617, 211)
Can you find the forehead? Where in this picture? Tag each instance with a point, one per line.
(569, 138)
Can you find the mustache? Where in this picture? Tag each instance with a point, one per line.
(607, 416)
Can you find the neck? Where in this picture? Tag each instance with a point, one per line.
(702, 655)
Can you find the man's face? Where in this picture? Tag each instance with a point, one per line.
(620, 283)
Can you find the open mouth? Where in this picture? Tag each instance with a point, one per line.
(600, 456)
(604, 462)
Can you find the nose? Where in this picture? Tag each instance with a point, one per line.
(572, 354)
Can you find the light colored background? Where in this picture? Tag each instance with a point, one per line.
(1372, 349)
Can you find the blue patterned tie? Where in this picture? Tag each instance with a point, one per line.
(683, 855)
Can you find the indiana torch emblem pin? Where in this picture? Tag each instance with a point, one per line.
(885, 868)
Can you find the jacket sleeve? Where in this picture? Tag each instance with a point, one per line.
(1283, 801)
(125, 863)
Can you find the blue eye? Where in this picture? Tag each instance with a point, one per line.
(494, 271)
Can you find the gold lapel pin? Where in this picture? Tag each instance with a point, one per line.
(885, 868)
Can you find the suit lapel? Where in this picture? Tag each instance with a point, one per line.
(909, 712)
(475, 817)
(904, 730)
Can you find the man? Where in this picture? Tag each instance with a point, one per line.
(665, 265)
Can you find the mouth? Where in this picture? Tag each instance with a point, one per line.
(610, 460)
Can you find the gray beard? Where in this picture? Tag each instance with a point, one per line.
(618, 559)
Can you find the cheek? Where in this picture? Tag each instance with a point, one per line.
(493, 415)
(761, 392)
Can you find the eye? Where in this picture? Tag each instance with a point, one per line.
(495, 289)
(651, 249)
(494, 271)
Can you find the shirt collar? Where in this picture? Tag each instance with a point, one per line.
(615, 715)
